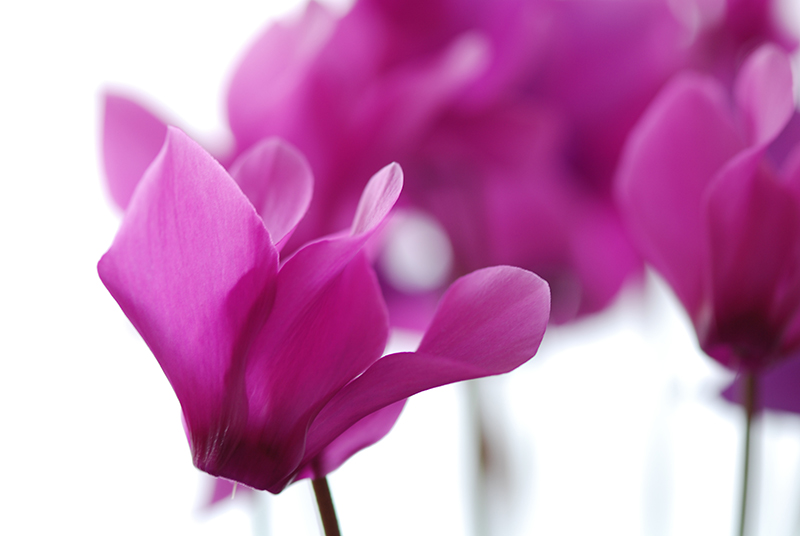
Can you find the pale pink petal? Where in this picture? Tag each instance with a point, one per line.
(278, 181)
(684, 138)
(132, 137)
(764, 93)
(488, 322)
(193, 268)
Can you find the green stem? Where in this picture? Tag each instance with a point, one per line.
(749, 406)
(325, 504)
(482, 459)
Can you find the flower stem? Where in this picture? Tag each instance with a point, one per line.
(749, 406)
(325, 504)
(482, 459)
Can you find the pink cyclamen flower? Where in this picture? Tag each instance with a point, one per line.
(277, 365)
(717, 213)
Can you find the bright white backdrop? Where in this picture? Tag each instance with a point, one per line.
(615, 428)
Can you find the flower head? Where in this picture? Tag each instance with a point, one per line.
(713, 201)
(277, 364)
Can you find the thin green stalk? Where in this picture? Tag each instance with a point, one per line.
(749, 406)
(480, 514)
(325, 504)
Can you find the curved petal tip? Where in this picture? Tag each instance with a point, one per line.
(379, 197)
(279, 182)
(764, 93)
(132, 137)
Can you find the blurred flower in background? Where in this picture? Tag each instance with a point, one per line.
(716, 215)
(508, 117)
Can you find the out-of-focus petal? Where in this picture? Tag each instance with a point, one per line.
(488, 322)
(754, 239)
(361, 435)
(684, 138)
(132, 137)
(730, 30)
(411, 311)
(398, 109)
(224, 489)
(764, 93)
(278, 181)
(602, 64)
(777, 388)
(271, 71)
(603, 256)
(784, 151)
(193, 269)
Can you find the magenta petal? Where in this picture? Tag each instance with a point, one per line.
(754, 223)
(488, 322)
(132, 137)
(278, 181)
(192, 266)
(361, 435)
(314, 266)
(764, 93)
(411, 98)
(379, 197)
(335, 271)
(492, 318)
(271, 71)
(684, 138)
(328, 324)
(316, 340)
(603, 256)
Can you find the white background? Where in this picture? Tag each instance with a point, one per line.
(614, 428)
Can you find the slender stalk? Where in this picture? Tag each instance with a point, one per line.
(325, 504)
(480, 514)
(749, 406)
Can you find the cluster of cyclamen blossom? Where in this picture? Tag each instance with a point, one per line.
(507, 117)
(538, 133)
